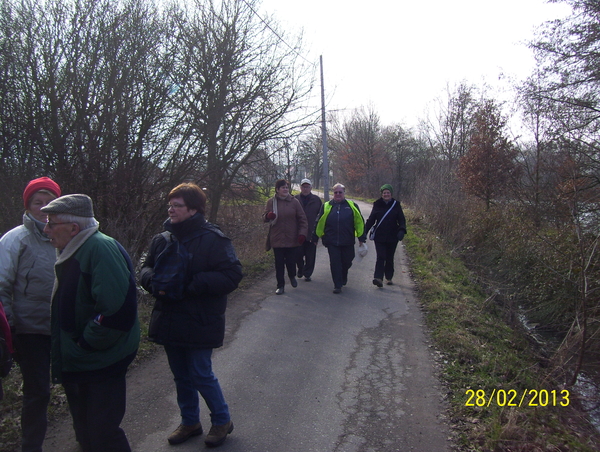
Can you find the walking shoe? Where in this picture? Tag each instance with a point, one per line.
(337, 290)
(378, 282)
(389, 282)
(185, 432)
(293, 281)
(307, 278)
(300, 275)
(217, 434)
(279, 290)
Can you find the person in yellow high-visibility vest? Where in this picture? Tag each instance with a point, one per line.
(339, 223)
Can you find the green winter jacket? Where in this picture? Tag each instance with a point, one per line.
(94, 305)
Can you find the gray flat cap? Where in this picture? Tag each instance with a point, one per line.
(78, 205)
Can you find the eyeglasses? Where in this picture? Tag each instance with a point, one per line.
(175, 206)
(51, 224)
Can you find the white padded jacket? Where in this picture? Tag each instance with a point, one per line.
(26, 277)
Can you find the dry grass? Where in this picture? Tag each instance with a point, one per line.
(481, 352)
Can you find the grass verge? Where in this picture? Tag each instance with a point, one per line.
(478, 351)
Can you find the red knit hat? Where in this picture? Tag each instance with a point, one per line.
(41, 183)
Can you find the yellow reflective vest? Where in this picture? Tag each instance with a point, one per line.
(359, 224)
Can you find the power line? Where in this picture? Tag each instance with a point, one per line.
(277, 34)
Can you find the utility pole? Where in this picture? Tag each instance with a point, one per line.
(324, 137)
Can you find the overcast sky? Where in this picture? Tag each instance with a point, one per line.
(398, 56)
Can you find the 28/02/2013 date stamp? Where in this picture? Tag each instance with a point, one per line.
(512, 397)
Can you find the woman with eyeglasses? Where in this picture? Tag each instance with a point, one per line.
(288, 228)
(26, 279)
(339, 223)
(389, 226)
(190, 323)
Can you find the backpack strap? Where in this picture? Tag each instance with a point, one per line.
(214, 228)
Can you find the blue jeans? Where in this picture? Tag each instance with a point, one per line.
(34, 360)
(192, 372)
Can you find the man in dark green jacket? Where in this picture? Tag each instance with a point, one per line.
(94, 324)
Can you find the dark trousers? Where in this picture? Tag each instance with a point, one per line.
(384, 265)
(97, 404)
(306, 258)
(340, 261)
(285, 258)
(33, 357)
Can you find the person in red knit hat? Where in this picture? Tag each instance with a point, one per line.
(26, 279)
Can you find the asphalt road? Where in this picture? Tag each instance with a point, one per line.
(307, 371)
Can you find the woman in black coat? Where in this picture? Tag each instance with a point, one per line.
(189, 317)
(389, 224)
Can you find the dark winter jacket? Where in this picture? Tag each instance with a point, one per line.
(94, 306)
(197, 321)
(311, 205)
(394, 222)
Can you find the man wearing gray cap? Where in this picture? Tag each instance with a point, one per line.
(94, 324)
(307, 254)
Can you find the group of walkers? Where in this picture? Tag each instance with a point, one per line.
(296, 223)
(69, 294)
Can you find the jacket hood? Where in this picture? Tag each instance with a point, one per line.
(34, 226)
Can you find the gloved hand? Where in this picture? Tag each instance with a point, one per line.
(400, 235)
(271, 216)
(301, 239)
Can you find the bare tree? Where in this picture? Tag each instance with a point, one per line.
(310, 156)
(453, 124)
(360, 154)
(239, 86)
(403, 148)
(92, 102)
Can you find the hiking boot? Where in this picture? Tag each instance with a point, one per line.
(337, 290)
(389, 282)
(185, 432)
(378, 282)
(279, 290)
(293, 281)
(217, 434)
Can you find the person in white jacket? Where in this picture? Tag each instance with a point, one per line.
(26, 279)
